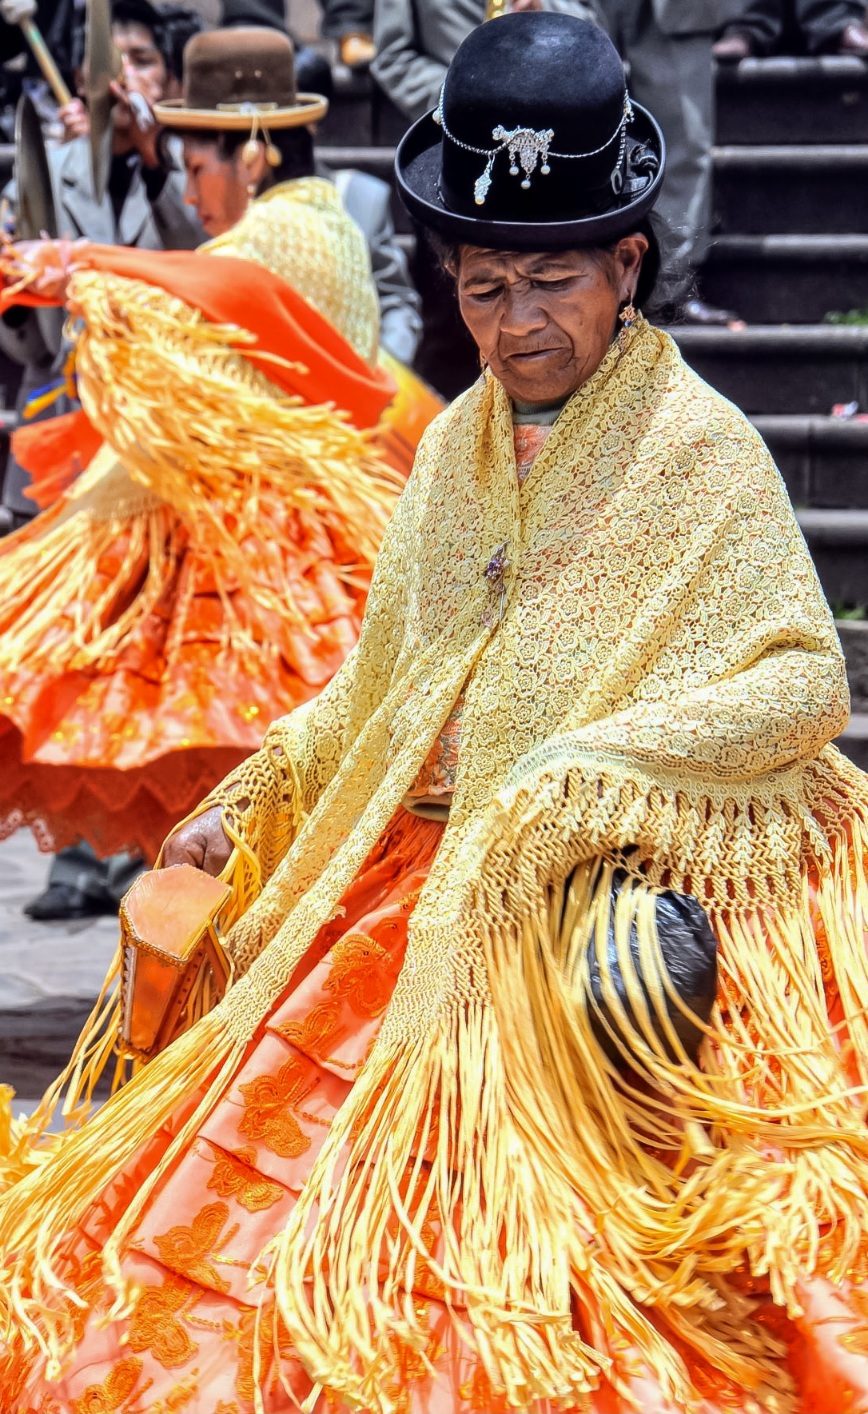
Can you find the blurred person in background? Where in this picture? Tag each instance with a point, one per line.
(144, 200)
(55, 20)
(416, 39)
(207, 569)
(368, 200)
(820, 26)
(365, 198)
(143, 206)
(667, 45)
(351, 24)
(310, 66)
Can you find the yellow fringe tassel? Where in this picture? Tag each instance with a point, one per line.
(427, 1182)
(759, 1160)
(49, 571)
(227, 436)
(216, 470)
(545, 1168)
(500, 1160)
(41, 1212)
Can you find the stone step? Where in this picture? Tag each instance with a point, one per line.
(36, 1042)
(780, 368)
(823, 460)
(367, 157)
(780, 100)
(838, 542)
(854, 641)
(50, 973)
(822, 188)
(796, 279)
(810, 190)
(786, 100)
(854, 740)
(360, 113)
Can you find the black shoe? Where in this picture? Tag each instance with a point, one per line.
(61, 901)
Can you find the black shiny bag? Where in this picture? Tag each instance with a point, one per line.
(689, 952)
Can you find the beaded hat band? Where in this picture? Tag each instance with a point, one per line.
(530, 147)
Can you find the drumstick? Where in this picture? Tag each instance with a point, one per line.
(42, 55)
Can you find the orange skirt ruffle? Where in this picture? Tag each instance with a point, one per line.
(188, 1343)
(118, 751)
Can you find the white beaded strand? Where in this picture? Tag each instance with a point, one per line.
(529, 146)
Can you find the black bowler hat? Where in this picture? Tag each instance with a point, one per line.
(535, 143)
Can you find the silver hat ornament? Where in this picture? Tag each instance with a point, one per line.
(530, 148)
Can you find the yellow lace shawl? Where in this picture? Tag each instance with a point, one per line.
(660, 690)
(299, 230)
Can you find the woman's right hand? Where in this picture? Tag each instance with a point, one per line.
(41, 267)
(202, 842)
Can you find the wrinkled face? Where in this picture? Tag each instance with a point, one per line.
(144, 68)
(544, 320)
(216, 186)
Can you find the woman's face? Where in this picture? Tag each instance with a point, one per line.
(218, 186)
(544, 320)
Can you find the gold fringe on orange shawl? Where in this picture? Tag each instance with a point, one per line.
(212, 454)
(674, 681)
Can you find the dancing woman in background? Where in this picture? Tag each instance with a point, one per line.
(214, 511)
(541, 1085)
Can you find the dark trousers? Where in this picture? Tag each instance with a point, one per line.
(817, 22)
(673, 75)
(342, 17)
(79, 867)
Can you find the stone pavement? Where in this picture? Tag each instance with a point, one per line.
(50, 973)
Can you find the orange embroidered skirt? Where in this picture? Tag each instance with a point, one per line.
(187, 1345)
(119, 750)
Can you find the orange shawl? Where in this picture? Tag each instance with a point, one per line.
(294, 345)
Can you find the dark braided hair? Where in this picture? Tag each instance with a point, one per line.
(295, 146)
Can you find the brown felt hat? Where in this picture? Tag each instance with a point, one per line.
(239, 79)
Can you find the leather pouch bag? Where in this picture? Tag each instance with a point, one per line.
(689, 951)
(175, 969)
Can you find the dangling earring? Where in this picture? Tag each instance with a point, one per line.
(249, 153)
(627, 317)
